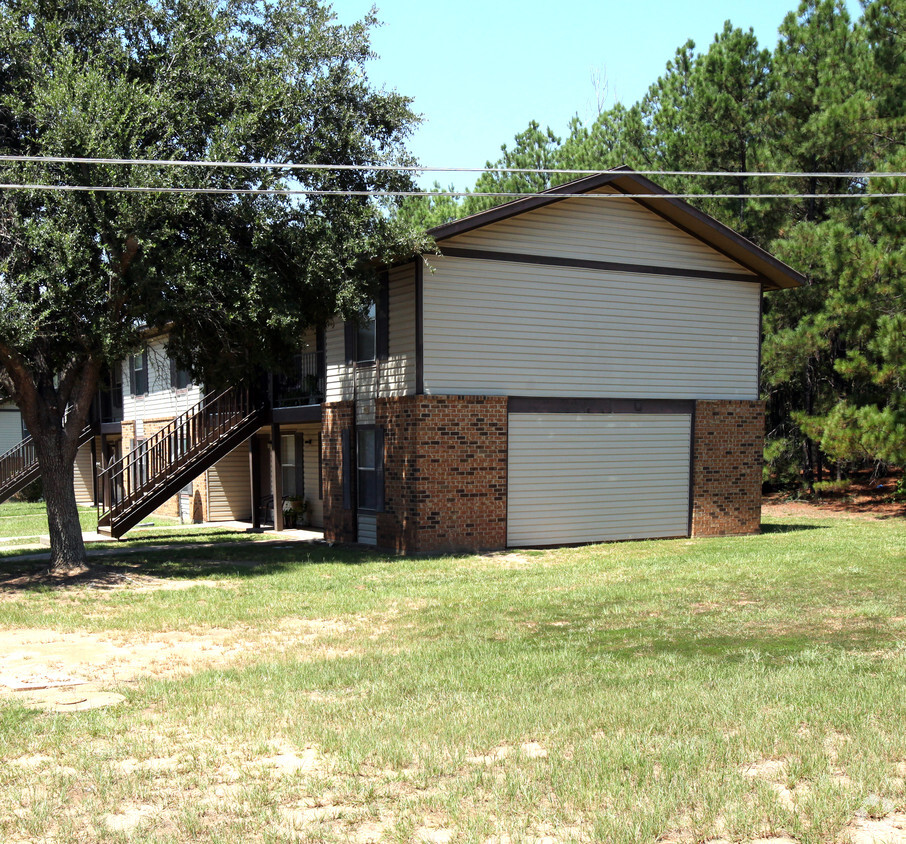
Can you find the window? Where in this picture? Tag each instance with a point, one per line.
(138, 372)
(366, 458)
(368, 338)
(179, 378)
(288, 464)
(365, 336)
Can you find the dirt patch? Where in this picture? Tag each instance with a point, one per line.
(887, 830)
(68, 672)
(864, 498)
(288, 761)
(529, 750)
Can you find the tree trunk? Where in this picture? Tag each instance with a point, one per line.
(67, 549)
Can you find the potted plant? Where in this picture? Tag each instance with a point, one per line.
(298, 506)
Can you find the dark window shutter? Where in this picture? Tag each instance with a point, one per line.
(173, 373)
(147, 376)
(379, 469)
(347, 469)
(132, 384)
(349, 340)
(382, 320)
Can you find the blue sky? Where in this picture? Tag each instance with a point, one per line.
(480, 70)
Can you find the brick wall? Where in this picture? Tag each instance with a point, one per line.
(726, 471)
(444, 473)
(397, 525)
(170, 507)
(339, 524)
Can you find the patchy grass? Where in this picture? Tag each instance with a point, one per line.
(675, 691)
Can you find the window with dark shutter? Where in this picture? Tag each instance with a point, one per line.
(138, 373)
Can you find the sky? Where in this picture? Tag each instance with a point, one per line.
(480, 70)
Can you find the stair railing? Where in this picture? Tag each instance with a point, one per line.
(19, 459)
(167, 451)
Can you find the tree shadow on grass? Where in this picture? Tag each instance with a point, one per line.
(774, 527)
(137, 566)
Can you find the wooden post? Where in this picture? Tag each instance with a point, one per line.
(276, 477)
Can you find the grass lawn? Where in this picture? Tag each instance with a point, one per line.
(22, 522)
(685, 690)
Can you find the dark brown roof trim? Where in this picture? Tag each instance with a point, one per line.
(606, 266)
(708, 230)
(773, 272)
(520, 206)
(557, 404)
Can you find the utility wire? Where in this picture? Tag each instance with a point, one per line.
(414, 168)
(454, 194)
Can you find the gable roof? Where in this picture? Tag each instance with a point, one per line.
(773, 273)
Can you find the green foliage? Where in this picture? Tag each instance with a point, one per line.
(85, 274)
(832, 487)
(236, 81)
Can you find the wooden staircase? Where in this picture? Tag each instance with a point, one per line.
(156, 469)
(19, 466)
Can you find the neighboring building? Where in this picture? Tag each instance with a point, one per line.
(11, 428)
(567, 370)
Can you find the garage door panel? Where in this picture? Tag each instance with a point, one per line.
(576, 478)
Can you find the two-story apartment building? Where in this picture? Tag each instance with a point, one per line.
(574, 366)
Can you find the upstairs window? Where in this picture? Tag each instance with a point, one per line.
(179, 378)
(365, 336)
(138, 373)
(368, 338)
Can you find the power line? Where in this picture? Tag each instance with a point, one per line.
(452, 194)
(414, 168)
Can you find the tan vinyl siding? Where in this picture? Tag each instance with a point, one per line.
(367, 528)
(310, 457)
(504, 328)
(339, 375)
(229, 487)
(161, 401)
(597, 230)
(398, 371)
(595, 477)
(83, 480)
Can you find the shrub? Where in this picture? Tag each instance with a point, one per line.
(831, 487)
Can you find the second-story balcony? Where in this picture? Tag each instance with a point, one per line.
(303, 385)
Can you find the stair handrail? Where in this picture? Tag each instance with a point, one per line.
(166, 451)
(20, 458)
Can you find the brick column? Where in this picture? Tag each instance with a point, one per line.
(339, 523)
(445, 473)
(728, 444)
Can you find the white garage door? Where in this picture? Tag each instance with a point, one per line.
(593, 477)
